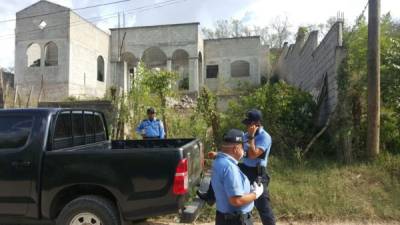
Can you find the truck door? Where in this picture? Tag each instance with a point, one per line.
(15, 164)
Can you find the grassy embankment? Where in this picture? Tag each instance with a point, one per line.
(328, 191)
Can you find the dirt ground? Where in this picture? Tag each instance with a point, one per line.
(165, 222)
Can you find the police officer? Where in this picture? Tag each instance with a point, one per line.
(233, 192)
(257, 145)
(151, 128)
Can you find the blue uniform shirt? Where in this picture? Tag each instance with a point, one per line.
(262, 141)
(228, 181)
(152, 128)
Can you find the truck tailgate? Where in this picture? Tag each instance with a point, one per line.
(194, 153)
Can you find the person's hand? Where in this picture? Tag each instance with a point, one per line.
(257, 189)
(252, 130)
(212, 155)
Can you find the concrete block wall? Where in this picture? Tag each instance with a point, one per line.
(86, 43)
(53, 79)
(308, 65)
(223, 52)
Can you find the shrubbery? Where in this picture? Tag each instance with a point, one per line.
(287, 115)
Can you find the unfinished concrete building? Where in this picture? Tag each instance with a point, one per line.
(58, 54)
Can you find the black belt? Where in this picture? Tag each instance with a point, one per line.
(258, 169)
(234, 216)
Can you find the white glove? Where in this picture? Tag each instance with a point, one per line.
(257, 189)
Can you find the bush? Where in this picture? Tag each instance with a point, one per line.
(390, 132)
(287, 115)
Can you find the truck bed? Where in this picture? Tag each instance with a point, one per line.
(189, 148)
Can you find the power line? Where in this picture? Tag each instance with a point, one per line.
(65, 10)
(98, 18)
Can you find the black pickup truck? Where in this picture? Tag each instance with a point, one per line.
(58, 165)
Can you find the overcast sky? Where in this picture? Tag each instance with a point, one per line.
(252, 12)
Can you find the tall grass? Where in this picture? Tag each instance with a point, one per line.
(322, 190)
(325, 190)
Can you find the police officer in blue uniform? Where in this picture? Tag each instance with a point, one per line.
(151, 128)
(233, 192)
(257, 146)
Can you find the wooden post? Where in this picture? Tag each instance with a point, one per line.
(373, 78)
(41, 90)
(6, 95)
(29, 97)
(15, 96)
(1, 90)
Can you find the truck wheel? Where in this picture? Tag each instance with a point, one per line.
(89, 210)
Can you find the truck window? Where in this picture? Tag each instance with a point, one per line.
(100, 130)
(63, 131)
(89, 127)
(78, 129)
(14, 131)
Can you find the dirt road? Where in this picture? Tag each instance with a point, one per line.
(165, 222)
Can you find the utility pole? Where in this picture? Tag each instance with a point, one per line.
(374, 90)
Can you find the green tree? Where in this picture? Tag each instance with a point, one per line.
(352, 84)
(160, 83)
(207, 108)
(139, 98)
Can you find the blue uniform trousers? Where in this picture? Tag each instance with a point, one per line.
(263, 202)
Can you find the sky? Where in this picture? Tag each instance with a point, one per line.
(153, 12)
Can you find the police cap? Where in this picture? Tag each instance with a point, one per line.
(253, 115)
(233, 136)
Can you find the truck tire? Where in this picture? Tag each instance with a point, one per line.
(89, 210)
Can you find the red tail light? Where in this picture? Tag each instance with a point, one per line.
(181, 181)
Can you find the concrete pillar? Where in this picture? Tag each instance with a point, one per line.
(169, 64)
(125, 77)
(121, 74)
(193, 74)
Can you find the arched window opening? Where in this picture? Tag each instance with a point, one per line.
(100, 68)
(240, 68)
(51, 54)
(33, 55)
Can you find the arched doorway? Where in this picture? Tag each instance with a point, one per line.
(131, 66)
(180, 64)
(131, 61)
(200, 64)
(154, 57)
